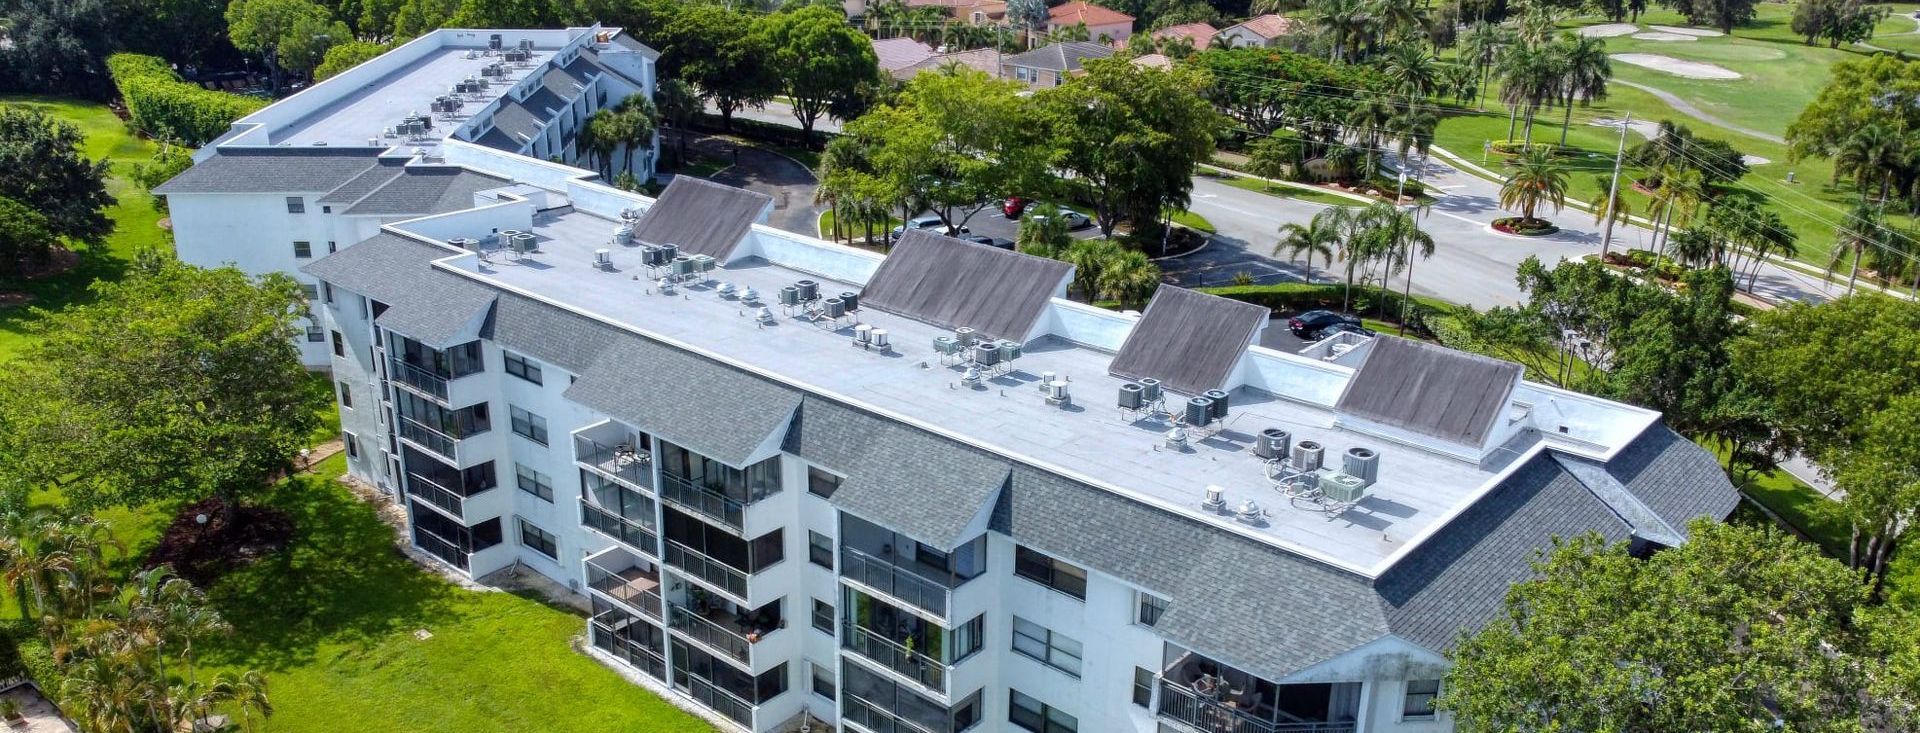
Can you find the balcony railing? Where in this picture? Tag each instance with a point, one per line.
(628, 532)
(629, 651)
(893, 580)
(425, 488)
(858, 711)
(1200, 713)
(429, 438)
(709, 503)
(710, 633)
(718, 700)
(707, 569)
(419, 380)
(638, 590)
(905, 662)
(436, 546)
(621, 462)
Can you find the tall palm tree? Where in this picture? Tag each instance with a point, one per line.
(1396, 20)
(1770, 236)
(1340, 21)
(1460, 82)
(1528, 76)
(1319, 236)
(1863, 229)
(1368, 119)
(641, 119)
(1402, 240)
(1089, 258)
(1695, 247)
(1129, 277)
(1412, 70)
(1536, 179)
(1584, 71)
(1679, 195)
(1413, 129)
(1479, 49)
(1871, 152)
(1609, 198)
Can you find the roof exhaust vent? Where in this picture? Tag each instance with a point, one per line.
(1176, 439)
(1249, 513)
(1216, 499)
(1057, 393)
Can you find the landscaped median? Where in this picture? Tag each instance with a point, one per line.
(1363, 300)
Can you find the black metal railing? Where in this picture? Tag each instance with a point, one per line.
(708, 632)
(858, 711)
(879, 574)
(719, 700)
(629, 651)
(419, 380)
(619, 588)
(439, 547)
(906, 662)
(1201, 713)
(707, 569)
(621, 462)
(438, 442)
(425, 488)
(707, 502)
(626, 531)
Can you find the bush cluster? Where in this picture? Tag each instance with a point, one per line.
(1369, 301)
(162, 105)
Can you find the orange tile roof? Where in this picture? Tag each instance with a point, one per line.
(1200, 34)
(1269, 26)
(1081, 11)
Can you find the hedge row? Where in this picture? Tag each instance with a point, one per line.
(162, 105)
(1366, 301)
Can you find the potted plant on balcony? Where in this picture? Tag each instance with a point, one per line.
(10, 710)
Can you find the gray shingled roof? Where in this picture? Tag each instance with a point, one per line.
(702, 217)
(272, 170)
(365, 183)
(1188, 340)
(627, 41)
(426, 304)
(555, 336)
(675, 394)
(566, 82)
(1456, 581)
(953, 283)
(952, 483)
(1245, 603)
(426, 190)
(1674, 477)
(1061, 57)
(1431, 390)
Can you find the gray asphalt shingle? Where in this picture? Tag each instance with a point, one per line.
(426, 304)
(271, 170)
(1676, 478)
(425, 190)
(676, 395)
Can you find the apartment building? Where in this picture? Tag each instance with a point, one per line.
(927, 493)
(327, 167)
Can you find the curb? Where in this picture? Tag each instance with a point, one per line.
(1290, 184)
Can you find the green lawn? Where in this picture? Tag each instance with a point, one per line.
(880, 228)
(136, 222)
(1190, 220)
(1308, 195)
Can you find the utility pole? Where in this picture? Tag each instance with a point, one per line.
(1613, 189)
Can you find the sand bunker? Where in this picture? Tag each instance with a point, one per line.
(1701, 32)
(1677, 67)
(1640, 127)
(1609, 30)
(1754, 160)
(1661, 36)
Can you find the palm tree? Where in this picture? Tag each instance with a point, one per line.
(1319, 236)
(1479, 49)
(1340, 21)
(1089, 258)
(640, 120)
(1129, 277)
(1609, 199)
(1584, 71)
(1536, 179)
(1870, 152)
(34, 561)
(1528, 77)
(110, 695)
(1413, 71)
(1402, 239)
(1368, 120)
(1695, 247)
(249, 695)
(678, 103)
(1864, 229)
(1462, 83)
(1413, 129)
(1679, 195)
(1396, 20)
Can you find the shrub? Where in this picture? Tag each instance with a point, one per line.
(1284, 298)
(162, 105)
(1524, 227)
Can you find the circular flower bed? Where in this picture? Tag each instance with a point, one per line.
(1524, 227)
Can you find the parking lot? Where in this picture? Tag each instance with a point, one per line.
(991, 222)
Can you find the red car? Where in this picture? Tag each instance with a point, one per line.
(1014, 207)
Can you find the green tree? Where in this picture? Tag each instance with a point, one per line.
(1131, 137)
(48, 172)
(1853, 99)
(1537, 178)
(343, 56)
(715, 49)
(1274, 157)
(1881, 475)
(1043, 236)
(1129, 277)
(1584, 71)
(26, 237)
(1674, 355)
(1089, 258)
(1864, 229)
(415, 17)
(1731, 631)
(1836, 21)
(175, 383)
(1722, 14)
(506, 14)
(820, 61)
(286, 34)
(1323, 235)
(57, 45)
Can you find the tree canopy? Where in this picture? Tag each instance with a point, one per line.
(47, 172)
(1130, 137)
(820, 62)
(289, 35)
(715, 49)
(1849, 102)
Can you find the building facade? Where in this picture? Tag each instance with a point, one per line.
(928, 493)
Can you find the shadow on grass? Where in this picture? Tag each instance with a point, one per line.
(340, 580)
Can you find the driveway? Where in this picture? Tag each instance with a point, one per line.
(789, 183)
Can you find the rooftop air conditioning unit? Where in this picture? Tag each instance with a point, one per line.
(1219, 406)
(523, 242)
(1341, 488)
(1307, 455)
(1272, 443)
(1361, 463)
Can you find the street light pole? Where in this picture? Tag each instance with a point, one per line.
(1613, 189)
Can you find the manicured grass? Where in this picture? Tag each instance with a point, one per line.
(880, 228)
(331, 620)
(1288, 192)
(1190, 220)
(136, 222)
(1803, 507)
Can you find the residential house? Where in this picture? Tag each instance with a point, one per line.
(1104, 25)
(1198, 36)
(1050, 66)
(984, 60)
(898, 54)
(1266, 31)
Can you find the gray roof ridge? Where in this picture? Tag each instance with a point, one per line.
(1645, 522)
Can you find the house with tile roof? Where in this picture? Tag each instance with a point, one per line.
(1265, 31)
(1051, 66)
(1198, 36)
(1104, 25)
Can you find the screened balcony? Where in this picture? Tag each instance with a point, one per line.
(713, 490)
(616, 452)
(627, 579)
(722, 625)
(427, 370)
(445, 487)
(911, 572)
(1200, 694)
(717, 558)
(628, 638)
(620, 513)
(448, 539)
(871, 702)
(904, 643)
(437, 429)
(723, 688)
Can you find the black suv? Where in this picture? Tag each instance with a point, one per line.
(1313, 325)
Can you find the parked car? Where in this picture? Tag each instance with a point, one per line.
(989, 241)
(928, 222)
(1006, 244)
(1311, 325)
(1014, 206)
(1344, 327)
(1076, 221)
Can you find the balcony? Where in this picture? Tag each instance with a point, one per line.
(894, 580)
(441, 444)
(902, 660)
(427, 490)
(439, 547)
(731, 633)
(1215, 714)
(708, 570)
(626, 531)
(417, 379)
(622, 577)
(1202, 695)
(857, 711)
(614, 633)
(706, 502)
(620, 461)
(716, 699)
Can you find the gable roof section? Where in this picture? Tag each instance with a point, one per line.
(422, 303)
(1199, 34)
(1676, 478)
(952, 283)
(1081, 11)
(1256, 607)
(272, 170)
(1456, 580)
(1269, 26)
(674, 394)
(553, 335)
(903, 478)
(900, 53)
(365, 183)
(627, 41)
(1065, 56)
(1188, 340)
(981, 59)
(425, 190)
(701, 216)
(1430, 390)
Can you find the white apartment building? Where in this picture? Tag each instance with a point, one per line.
(790, 489)
(325, 168)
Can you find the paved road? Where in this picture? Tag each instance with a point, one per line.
(779, 113)
(789, 183)
(1688, 109)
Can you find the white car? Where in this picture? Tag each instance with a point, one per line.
(928, 222)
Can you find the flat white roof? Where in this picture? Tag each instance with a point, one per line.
(363, 113)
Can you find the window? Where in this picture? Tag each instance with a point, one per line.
(310, 292)
(1420, 695)
(339, 344)
(528, 425)
(539, 540)
(302, 250)
(316, 335)
(1037, 716)
(1055, 574)
(1151, 606)
(820, 549)
(1054, 650)
(518, 366)
(296, 205)
(326, 210)
(352, 443)
(821, 484)
(1143, 687)
(326, 293)
(346, 396)
(332, 246)
(823, 616)
(533, 482)
(822, 681)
